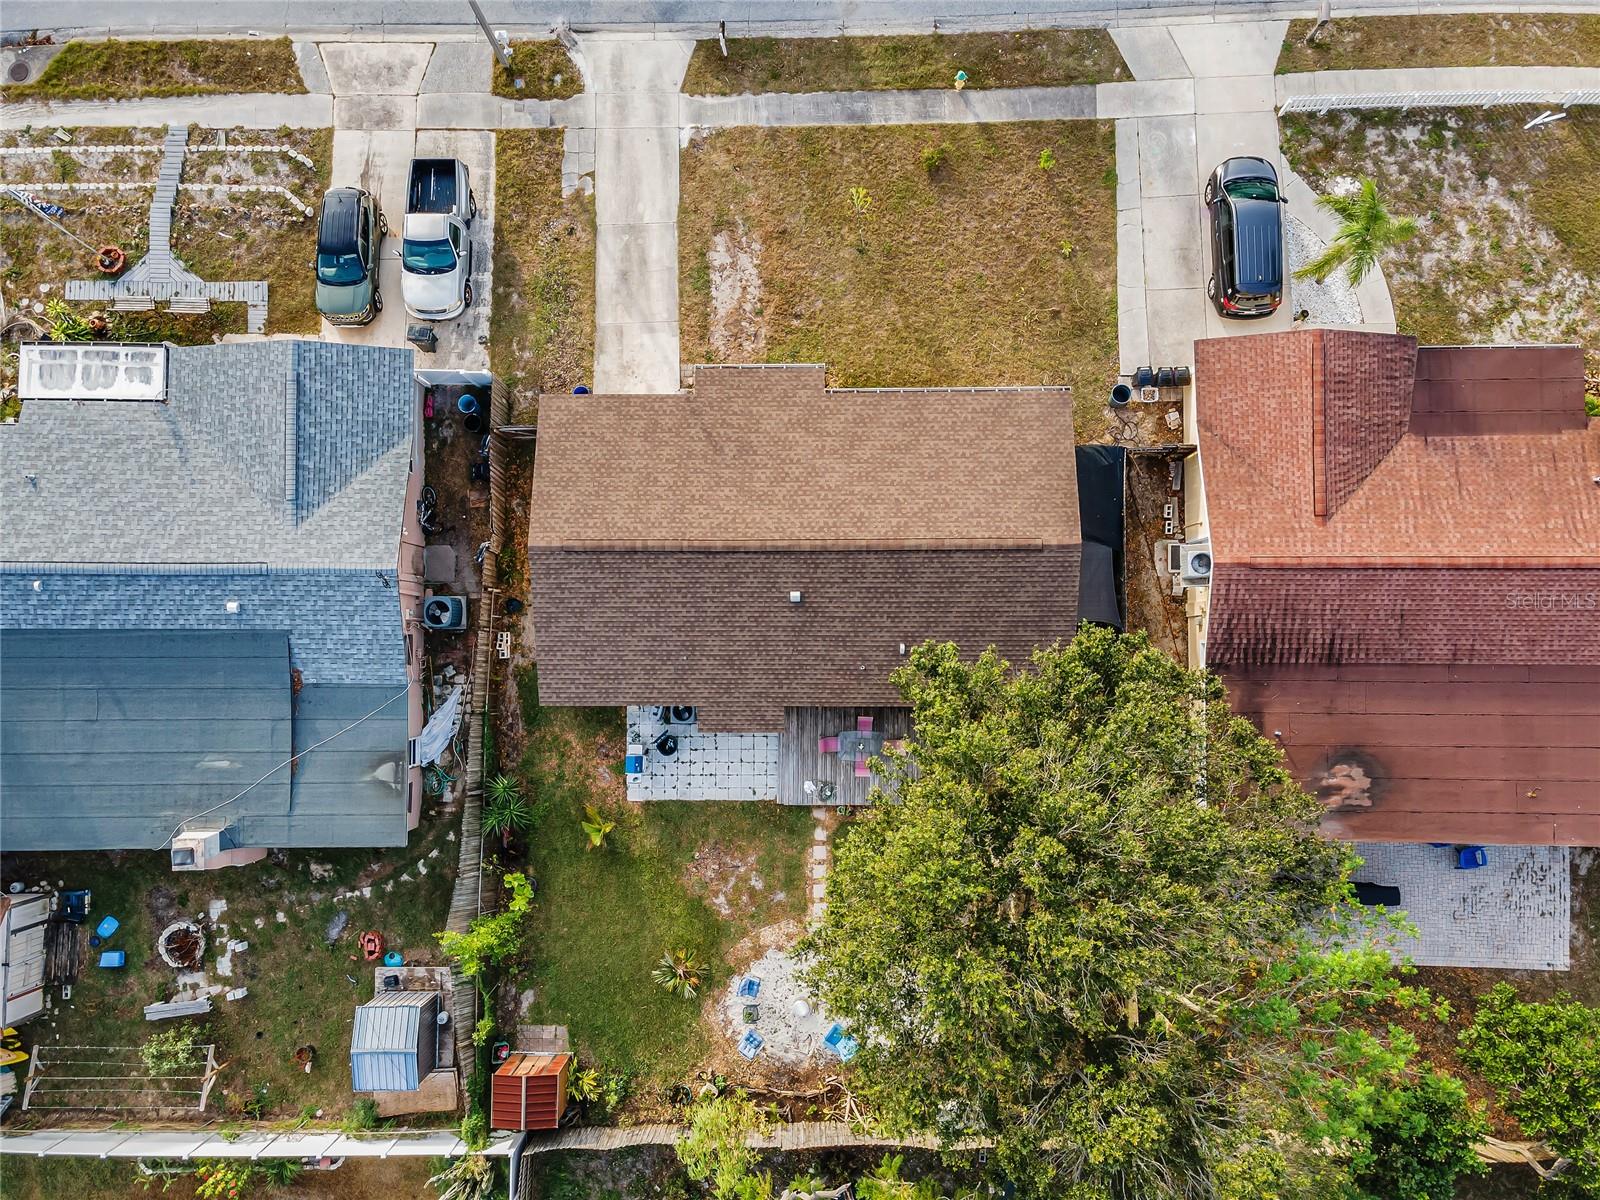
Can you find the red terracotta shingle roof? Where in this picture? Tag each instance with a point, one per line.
(1407, 580)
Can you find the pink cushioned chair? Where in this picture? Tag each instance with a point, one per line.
(863, 724)
(828, 745)
(861, 766)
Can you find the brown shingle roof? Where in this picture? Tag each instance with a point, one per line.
(1407, 580)
(668, 532)
(767, 457)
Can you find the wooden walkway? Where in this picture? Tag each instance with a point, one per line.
(472, 895)
(799, 760)
(798, 1135)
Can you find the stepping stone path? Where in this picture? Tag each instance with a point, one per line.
(821, 854)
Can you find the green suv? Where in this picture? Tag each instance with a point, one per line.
(349, 239)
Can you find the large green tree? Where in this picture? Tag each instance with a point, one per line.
(1097, 928)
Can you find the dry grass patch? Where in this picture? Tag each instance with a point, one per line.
(1040, 58)
(958, 262)
(545, 68)
(1454, 40)
(541, 327)
(1509, 247)
(119, 70)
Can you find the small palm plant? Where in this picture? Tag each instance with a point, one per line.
(1366, 230)
(680, 973)
(505, 811)
(861, 203)
(596, 826)
(470, 1177)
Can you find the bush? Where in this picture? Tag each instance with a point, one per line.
(363, 1116)
(1544, 1063)
(490, 940)
(1421, 1139)
(714, 1150)
(935, 157)
(475, 1129)
(171, 1052)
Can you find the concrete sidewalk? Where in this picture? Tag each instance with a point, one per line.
(264, 110)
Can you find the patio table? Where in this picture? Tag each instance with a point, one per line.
(852, 742)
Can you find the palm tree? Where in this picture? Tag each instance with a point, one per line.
(1366, 230)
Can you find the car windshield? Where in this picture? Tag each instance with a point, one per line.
(429, 258)
(339, 269)
(1251, 189)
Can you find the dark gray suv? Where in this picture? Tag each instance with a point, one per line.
(349, 241)
(1246, 238)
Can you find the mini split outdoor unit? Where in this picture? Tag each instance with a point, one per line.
(1190, 561)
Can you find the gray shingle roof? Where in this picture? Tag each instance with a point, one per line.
(274, 476)
(280, 453)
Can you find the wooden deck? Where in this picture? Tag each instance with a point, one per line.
(799, 760)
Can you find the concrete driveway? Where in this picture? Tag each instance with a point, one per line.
(1163, 231)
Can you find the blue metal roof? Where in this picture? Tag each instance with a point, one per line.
(112, 738)
(384, 1043)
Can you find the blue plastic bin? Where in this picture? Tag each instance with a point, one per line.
(113, 958)
(108, 925)
(633, 764)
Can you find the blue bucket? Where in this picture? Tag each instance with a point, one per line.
(468, 404)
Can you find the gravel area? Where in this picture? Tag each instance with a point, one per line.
(1332, 302)
(790, 1038)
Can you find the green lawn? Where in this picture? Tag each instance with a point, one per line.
(604, 917)
(122, 70)
(1041, 58)
(1445, 40)
(541, 325)
(300, 993)
(546, 70)
(971, 264)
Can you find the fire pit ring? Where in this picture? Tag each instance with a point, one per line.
(109, 260)
(182, 945)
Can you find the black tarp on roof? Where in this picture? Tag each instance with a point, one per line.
(1101, 475)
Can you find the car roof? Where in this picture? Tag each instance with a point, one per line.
(341, 213)
(1258, 245)
(1247, 168)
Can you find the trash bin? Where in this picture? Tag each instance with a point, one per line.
(422, 337)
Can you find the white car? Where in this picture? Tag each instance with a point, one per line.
(436, 267)
(436, 245)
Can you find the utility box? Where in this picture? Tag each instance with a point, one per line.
(529, 1091)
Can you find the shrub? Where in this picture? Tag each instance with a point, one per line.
(490, 940)
(596, 825)
(680, 972)
(468, 1178)
(1421, 1139)
(714, 1151)
(223, 1178)
(363, 1116)
(170, 1052)
(1047, 159)
(934, 158)
(475, 1129)
(1544, 1063)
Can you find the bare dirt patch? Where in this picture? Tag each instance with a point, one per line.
(736, 332)
(726, 878)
